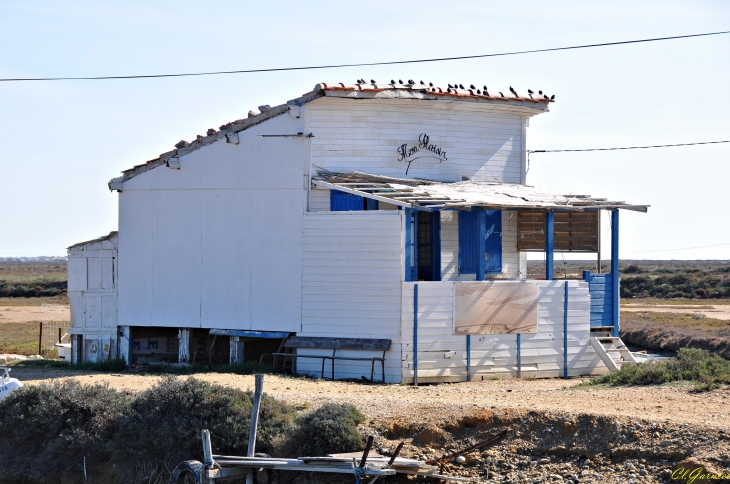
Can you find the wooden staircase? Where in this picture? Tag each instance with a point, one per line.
(612, 351)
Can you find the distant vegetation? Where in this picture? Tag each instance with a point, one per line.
(659, 279)
(33, 279)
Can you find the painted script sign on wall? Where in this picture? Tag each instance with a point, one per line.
(423, 149)
(498, 307)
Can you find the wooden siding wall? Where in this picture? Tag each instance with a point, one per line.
(351, 286)
(442, 355)
(482, 142)
(92, 286)
(450, 248)
(601, 290)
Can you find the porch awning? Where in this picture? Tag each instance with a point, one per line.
(431, 195)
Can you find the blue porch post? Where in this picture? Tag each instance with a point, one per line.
(549, 245)
(481, 272)
(614, 270)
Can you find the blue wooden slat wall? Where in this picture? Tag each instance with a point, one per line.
(600, 287)
(468, 243)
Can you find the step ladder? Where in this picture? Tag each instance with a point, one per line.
(613, 351)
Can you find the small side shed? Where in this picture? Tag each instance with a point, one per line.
(92, 293)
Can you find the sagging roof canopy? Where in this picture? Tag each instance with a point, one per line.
(432, 195)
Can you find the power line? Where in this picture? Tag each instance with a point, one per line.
(682, 248)
(364, 64)
(631, 147)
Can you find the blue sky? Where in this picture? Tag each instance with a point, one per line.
(62, 141)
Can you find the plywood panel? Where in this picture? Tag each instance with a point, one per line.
(495, 307)
(276, 260)
(176, 252)
(109, 311)
(94, 273)
(107, 272)
(77, 271)
(92, 310)
(226, 259)
(136, 260)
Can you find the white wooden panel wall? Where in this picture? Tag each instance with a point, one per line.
(450, 248)
(76, 274)
(496, 355)
(217, 243)
(351, 285)
(481, 142)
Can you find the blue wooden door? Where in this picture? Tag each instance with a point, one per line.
(469, 244)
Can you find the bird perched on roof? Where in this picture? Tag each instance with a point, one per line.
(400, 81)
(430, 84)
(512, 90)
(530, 91)
(392, 82)
(411, 81)
(372, 81)
(552, 98)
(461, 86)
(423, 83)
(539, 92)
(448, 90)
(546, 97)
(450, 86)
(472, 86)
(500, 93)
(479, 91)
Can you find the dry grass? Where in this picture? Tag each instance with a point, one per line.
(19, 338)
(678, 321)
(33, 301)
(27, 272)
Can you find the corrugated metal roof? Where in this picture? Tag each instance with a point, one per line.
(431, 195)
(530, 102)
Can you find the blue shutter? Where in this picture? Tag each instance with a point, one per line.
(493, 237)
(469, 246)
(345, 202)
(467, 242)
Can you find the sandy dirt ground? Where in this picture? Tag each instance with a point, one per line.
(709, 311)
(676, 404)
(25, 314)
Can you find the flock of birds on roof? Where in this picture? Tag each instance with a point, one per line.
(453, 88)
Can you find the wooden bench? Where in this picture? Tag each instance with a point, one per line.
(334, 344)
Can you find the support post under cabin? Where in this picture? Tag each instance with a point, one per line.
(549, 245)
(614, 271)
(565, 332)
(236, 350)
(124, 348)
(415, 334)
(183, 351)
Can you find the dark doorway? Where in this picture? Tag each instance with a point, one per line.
(428, 235)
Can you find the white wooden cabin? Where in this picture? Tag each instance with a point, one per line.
(325, 215)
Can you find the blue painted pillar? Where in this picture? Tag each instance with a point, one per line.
(519, 355)
(614, 270)
(415, 334)
(481, 243)
(468, 357)
(549, 245)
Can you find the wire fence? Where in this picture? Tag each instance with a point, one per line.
(53, 328)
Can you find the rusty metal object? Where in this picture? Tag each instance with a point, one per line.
(491, 440)
(395, 454)
(365, 453)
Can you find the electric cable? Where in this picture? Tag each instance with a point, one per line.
(362, 64)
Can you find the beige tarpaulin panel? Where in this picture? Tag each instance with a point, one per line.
(495, 307)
